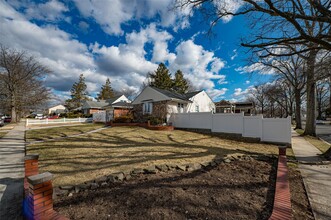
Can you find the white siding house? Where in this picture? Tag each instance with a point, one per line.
(200, 102)
(151, 97)
(57, 109)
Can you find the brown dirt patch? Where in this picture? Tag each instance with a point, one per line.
(237, 190)
(300, 205)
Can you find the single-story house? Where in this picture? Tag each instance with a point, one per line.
(57, 109)
(90, 107)
(117, 110)
(224, 106)
(161, 103)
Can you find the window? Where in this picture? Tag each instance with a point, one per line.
(196, 108)
(180, 107)
(147, 107)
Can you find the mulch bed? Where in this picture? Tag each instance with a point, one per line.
(300, 205)
(236, 190)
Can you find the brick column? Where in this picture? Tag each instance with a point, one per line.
(39, 200)
(31, 168)
(282, 150)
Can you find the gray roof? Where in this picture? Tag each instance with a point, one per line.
(95, 104)
(112, 100)
(175, 95)
(121, 105)
(191, 94)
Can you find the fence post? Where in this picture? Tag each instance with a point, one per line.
(39, 202)
(64, 119)
(31, 168)
(47, 121)
(78, 119)
(27, 122)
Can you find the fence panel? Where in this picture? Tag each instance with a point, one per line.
(228, 123)
(55, 121)
(194, 120)
(276, 130)
(252, 126)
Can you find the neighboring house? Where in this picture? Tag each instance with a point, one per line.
(90, 107)
(117, 110)
(57, 109)
(224, 106)
(161, 103)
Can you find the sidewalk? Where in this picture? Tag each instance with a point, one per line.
(316, 177)
(12, 151)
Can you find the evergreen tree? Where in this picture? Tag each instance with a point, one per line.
(160, 78)
(180, 84)
(78, 94)
(106, 91)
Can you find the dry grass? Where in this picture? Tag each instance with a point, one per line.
(2, 134)
(57, 132)
(321, 145)
(79, 159)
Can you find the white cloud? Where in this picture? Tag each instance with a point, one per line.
(216, 94)
(235, 54)
(125, 64)
(229, 6)
(49, 11)
(247, 82)
(67, 57)
(112, 14)
(237, 92)
(83, 26)
(240, 94)
(256, 67)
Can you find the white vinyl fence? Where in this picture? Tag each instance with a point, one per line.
(99, 117)
(276, 130)
(47, 121)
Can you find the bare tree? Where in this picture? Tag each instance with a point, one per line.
(293, 17)
(21, 81)
(258, 96)
(290, 70)
(303, 26)
(322, 96)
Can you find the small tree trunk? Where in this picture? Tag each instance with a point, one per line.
(298, 124)
(13, 114)
(310, 128)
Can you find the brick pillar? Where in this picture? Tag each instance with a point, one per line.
(31, 168)
(39, 200)
(282, 150)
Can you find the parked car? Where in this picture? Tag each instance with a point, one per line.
(53, 117)
(7, 119)
(2, 122)
(39, 116)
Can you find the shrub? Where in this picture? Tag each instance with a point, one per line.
(155, 120)
(123, 119)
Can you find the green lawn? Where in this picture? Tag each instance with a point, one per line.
(78, 159)
(57, 132)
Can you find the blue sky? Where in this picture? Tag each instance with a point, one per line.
(124, 40)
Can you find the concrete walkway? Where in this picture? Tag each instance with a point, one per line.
(316, 176)
(12, 151)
